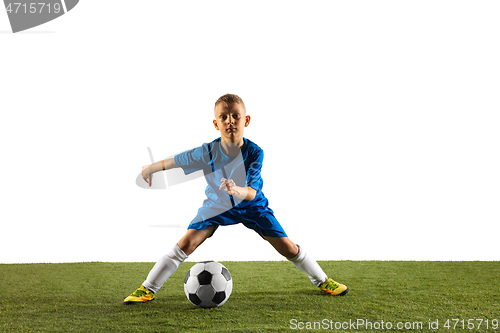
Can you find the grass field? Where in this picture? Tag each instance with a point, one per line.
(267, 296)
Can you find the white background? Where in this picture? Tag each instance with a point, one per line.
(379, 120)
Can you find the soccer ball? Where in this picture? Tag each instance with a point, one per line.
(208, 284)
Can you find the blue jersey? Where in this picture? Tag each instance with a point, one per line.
(244, 169)
(220, 208)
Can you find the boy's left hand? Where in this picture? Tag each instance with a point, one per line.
(146, 175)
(229, 186)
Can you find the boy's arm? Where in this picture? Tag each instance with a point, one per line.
(251, 193)
(148, 170)
(240, 193)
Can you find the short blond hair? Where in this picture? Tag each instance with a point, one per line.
(230, 99)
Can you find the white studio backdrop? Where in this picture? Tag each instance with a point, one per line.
(379, 121)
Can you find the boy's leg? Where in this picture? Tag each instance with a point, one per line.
(306, 264)
(284, 246)
(299, 258)
(164, 268)
(194, 238)
(168, 264)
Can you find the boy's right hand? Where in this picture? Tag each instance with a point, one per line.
(146, 175)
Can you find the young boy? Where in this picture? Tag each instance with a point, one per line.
(232, 166)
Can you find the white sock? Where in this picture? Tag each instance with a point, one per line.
(165, 267)
(308, 265)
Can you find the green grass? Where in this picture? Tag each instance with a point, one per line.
(87, 297)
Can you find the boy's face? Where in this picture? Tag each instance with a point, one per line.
(230, 120)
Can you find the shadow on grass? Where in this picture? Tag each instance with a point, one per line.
(243, 299)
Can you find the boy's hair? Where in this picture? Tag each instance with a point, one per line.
(230, 99)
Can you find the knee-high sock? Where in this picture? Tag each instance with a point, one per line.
(165, 267)
(308, 265)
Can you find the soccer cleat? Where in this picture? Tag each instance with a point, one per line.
(141, 295)
(334, 288)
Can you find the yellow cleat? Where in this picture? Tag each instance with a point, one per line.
(334, 288)
(141, 295)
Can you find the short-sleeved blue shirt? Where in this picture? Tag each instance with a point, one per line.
(219, 208)
(244, 169)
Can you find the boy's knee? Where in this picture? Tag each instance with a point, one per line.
(284, 246)
(292, 250)
(186, 246)
(193, 238)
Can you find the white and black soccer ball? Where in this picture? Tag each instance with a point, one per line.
(208, 284)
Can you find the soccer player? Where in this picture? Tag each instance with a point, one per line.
(232, 166)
